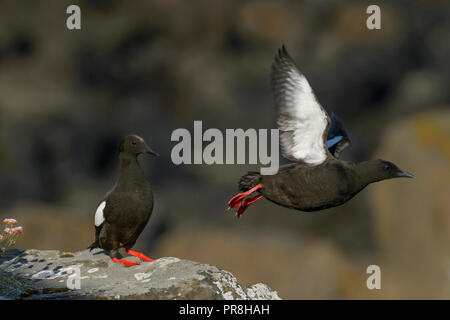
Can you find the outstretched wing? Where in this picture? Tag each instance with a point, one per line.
(302, 121)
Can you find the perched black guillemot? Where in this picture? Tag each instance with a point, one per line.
(124, 211)
(309, 136)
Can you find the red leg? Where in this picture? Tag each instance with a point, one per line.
(239, 201)
(141, 256)
(126, 263)
(247, 202)
(236, 200)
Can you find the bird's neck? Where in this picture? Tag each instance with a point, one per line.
(130, 172)
(367, 172)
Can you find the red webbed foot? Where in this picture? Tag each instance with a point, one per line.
(239, 201)
(125, 263)
(246, 203)
(141, 256)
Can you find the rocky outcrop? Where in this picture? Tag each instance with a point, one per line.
(51, 274)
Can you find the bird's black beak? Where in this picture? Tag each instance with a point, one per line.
(404, 174)
(150, 151)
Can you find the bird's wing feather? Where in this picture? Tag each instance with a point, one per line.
(337, 138)
(99, 214)
(99, 219)
(302, 121)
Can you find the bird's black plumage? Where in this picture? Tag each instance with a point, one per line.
(316, 179)
(311, 188)
(125, 210)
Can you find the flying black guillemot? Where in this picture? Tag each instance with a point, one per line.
(313, 140)
(124, 211)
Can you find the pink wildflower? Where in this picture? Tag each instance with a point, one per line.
(17, 230)
(9, 221)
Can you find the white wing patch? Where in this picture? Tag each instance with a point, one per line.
(308, 123)
(99, 218)
(301, 119)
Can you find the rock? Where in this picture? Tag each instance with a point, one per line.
(260, 291)
(48, 274)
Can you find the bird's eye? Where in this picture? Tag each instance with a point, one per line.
(387, 167)
(133, 142)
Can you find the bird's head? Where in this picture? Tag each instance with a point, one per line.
(135, 145)
(382, 170)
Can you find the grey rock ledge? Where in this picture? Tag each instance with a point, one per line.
(45, 274)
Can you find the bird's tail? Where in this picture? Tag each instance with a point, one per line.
(249, 181)
(94, 245)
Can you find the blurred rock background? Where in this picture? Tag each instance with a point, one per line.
(68, 97)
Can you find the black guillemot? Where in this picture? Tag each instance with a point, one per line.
(124, 211)
(313, 140)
